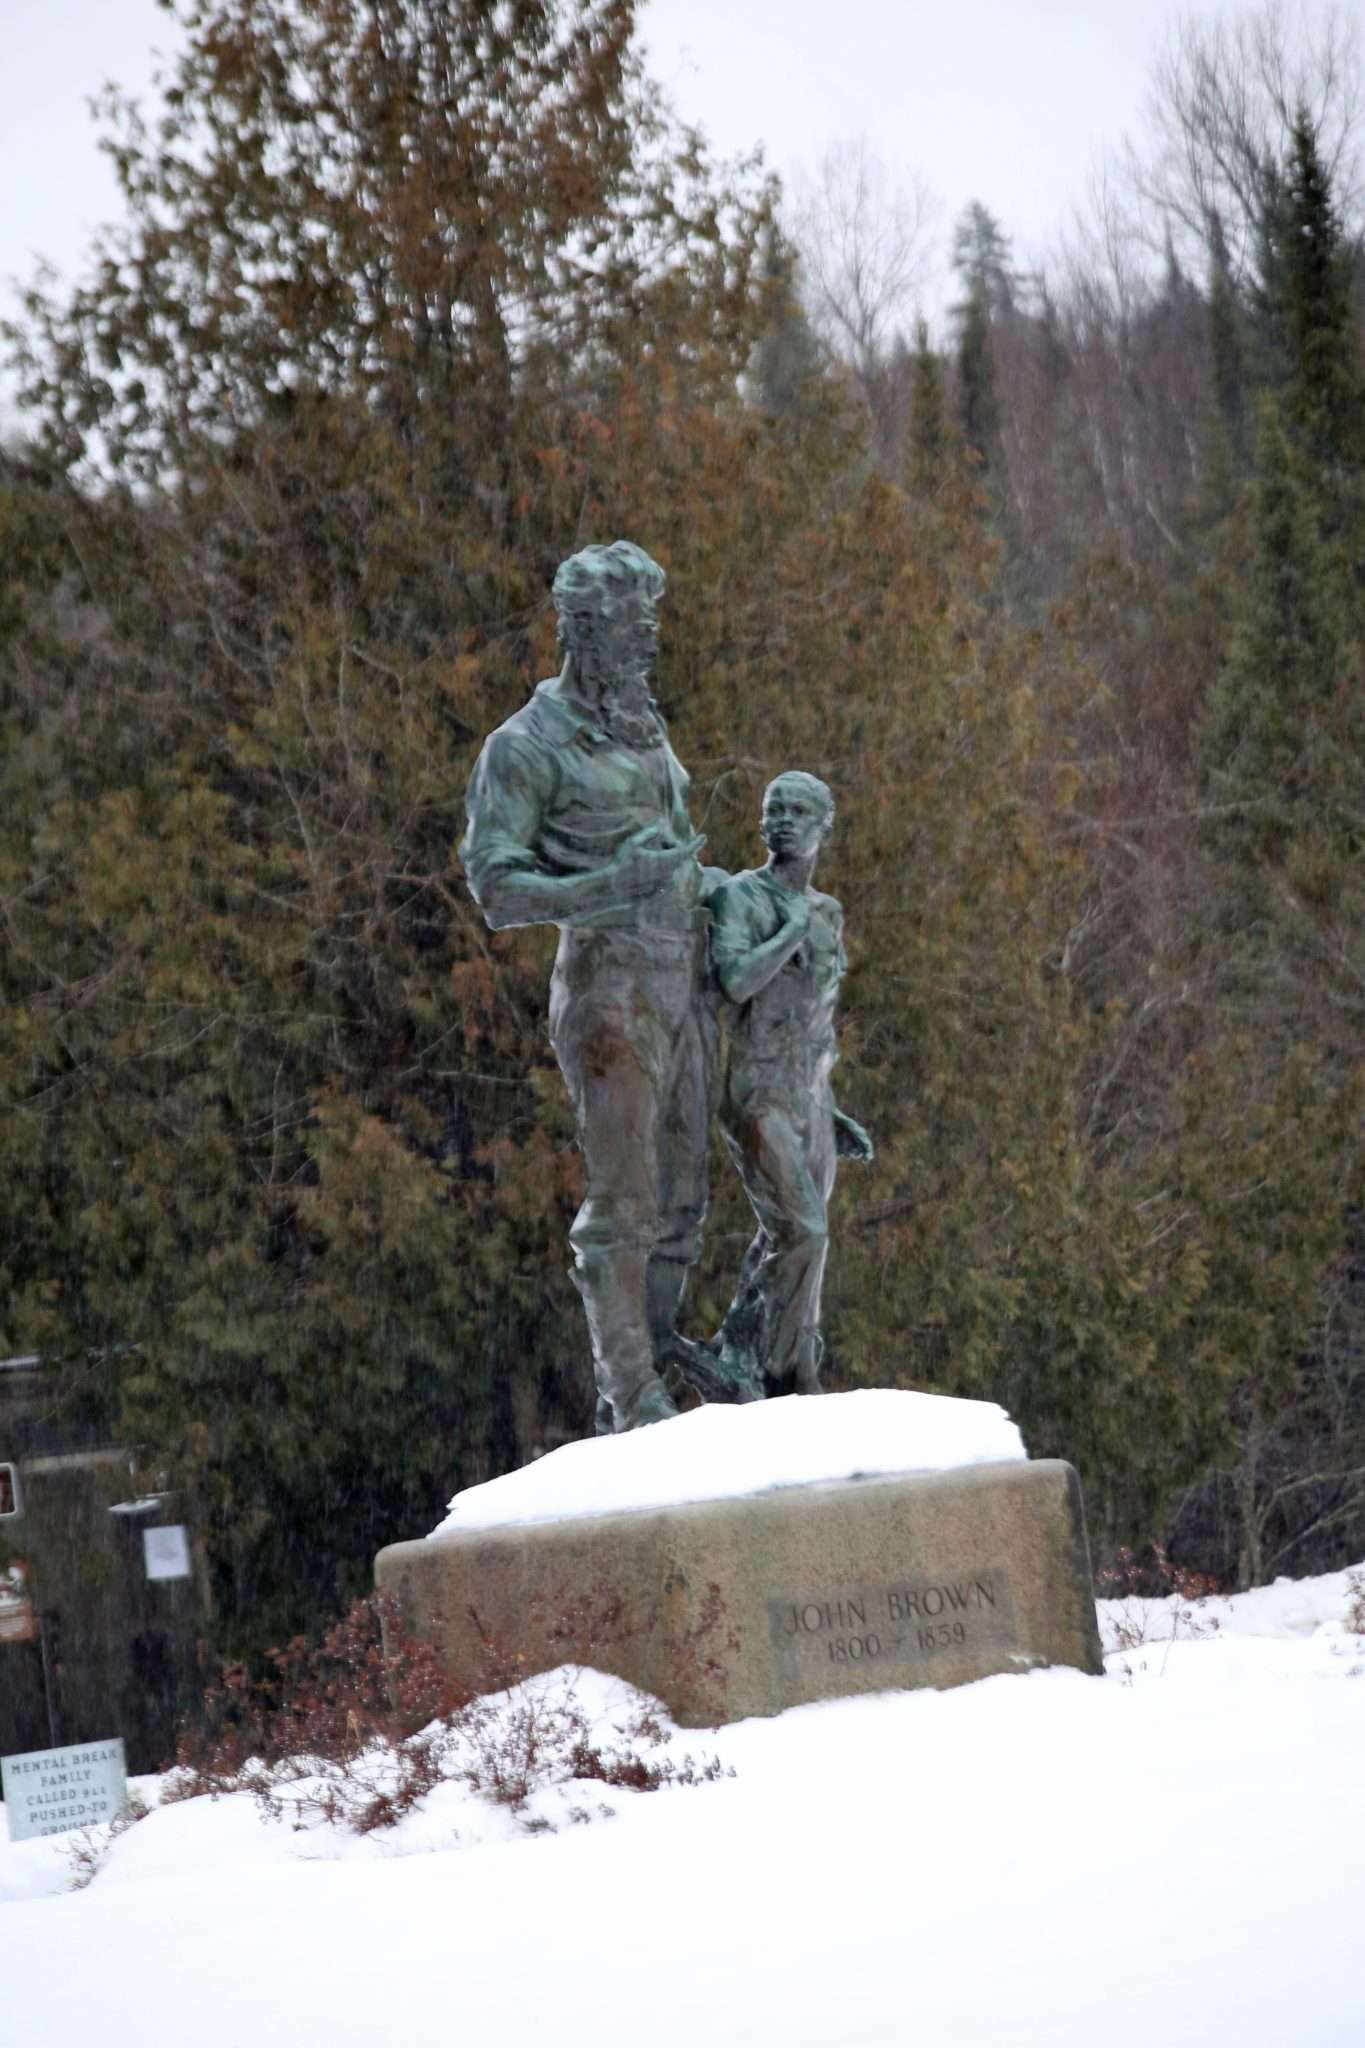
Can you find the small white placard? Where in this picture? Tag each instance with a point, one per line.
(18, 1622)
(48, 1791)
(167, 1551)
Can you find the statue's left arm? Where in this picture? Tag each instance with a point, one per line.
(742, 962)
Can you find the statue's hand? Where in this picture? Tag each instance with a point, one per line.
(648, 862)
(792, 908)
(851, 1141)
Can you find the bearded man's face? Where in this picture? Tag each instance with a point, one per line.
(616, 648)
(614, 651)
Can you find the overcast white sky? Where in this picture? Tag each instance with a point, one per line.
(1009, 101)
(1012, 102)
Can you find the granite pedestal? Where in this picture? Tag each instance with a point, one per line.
(743, 1606)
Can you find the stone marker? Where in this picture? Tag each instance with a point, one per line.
(734, 1607)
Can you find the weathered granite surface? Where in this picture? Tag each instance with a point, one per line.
(746, 1606)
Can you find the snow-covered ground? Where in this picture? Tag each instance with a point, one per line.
(1173, 1854)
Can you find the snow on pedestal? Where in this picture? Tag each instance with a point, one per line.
(720, 1453)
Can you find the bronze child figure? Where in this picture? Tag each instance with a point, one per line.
(777, 955)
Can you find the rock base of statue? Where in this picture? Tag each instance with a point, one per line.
(747, 1605)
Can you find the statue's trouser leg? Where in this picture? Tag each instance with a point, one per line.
(684, 1117)
(741, 1335)
(617, 1040)
(786, 1163)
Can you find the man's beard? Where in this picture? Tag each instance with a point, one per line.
(622, 704)
(629, 714)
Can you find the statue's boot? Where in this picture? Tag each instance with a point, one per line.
(803, 1376)
(653, 1404)
(810, 1354)
(716, 1370)
(612, 1283)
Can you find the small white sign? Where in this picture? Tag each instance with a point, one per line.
(167, 1551)
(11, 1493)
(48, 1791)
(18, 1622)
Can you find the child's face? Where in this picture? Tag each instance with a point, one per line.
(794, 820)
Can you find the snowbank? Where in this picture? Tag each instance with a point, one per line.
(714, 1453)
(1174, 1855)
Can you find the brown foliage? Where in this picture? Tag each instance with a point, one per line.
(357, 1729)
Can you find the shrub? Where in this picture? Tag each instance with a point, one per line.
(1144, 1597)
(357, 1729)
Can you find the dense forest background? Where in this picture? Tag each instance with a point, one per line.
(411, 298)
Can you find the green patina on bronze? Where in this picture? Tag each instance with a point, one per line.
(777, 953)
(578, 817)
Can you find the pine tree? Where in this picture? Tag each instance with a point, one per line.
(297, 1164)
(788, 362)
(1325, 395)
(1267, 746)
(981, 253)
(978, 410)
(982, 258)
(1281, 753)
(1267, 338)
(927, 442)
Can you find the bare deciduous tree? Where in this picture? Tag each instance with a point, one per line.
(863, 240)
(1222, 101)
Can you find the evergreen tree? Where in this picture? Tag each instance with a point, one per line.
(927, 445)
(1267, 337)
(439, 205)
(982, 258)
(410, 300)
(981, 253)
(978, 410)
(788, 362)
(1325, 394)
(1282, 757)
(296, 1166)
(1269, 745)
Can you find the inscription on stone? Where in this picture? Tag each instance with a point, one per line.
(897, 1621)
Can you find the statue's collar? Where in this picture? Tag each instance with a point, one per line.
(554, 719)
